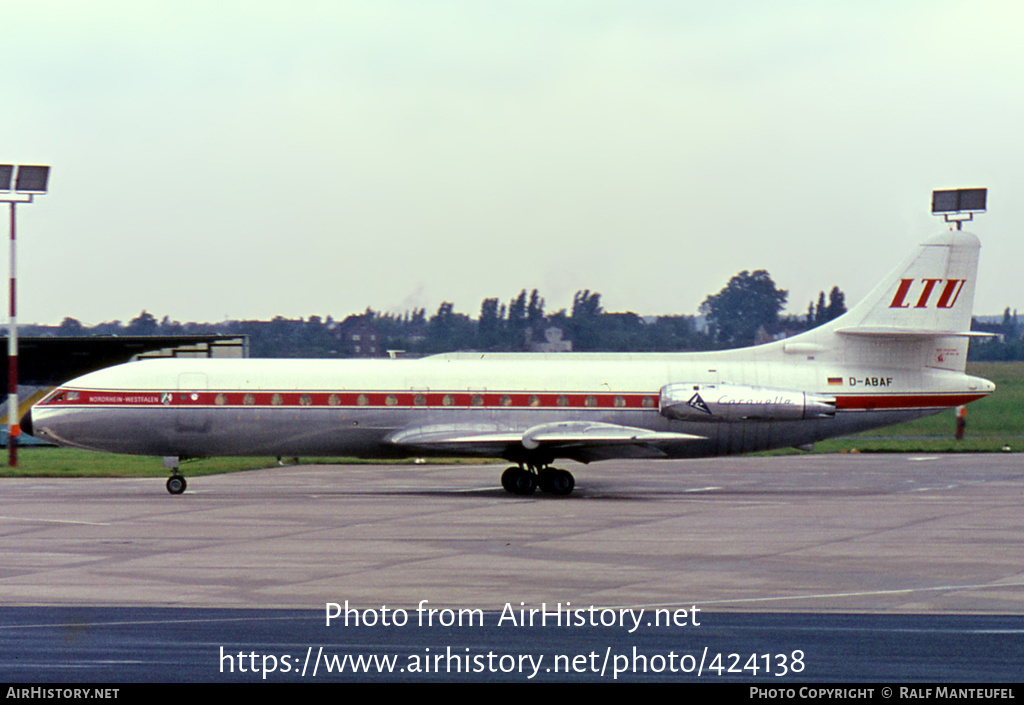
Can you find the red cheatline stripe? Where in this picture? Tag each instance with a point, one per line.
(455, 400)
(521, 400)
(860, 402)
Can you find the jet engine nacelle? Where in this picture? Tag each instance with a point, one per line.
(736, 402)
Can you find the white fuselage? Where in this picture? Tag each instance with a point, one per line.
(357, 407)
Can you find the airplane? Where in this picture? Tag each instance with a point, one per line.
(900, 354)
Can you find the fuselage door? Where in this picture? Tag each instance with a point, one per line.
(191, 415)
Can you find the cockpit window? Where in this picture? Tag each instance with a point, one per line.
(59, 395)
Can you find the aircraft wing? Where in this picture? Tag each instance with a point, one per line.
(583, 433)
(575, 438)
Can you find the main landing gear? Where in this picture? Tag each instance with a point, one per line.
(525, 480)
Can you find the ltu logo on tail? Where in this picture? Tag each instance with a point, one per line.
(949, 290)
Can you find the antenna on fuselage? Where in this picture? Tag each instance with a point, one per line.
(959, 205)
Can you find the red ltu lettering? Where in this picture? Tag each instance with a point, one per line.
(951, 292)
(929, 284)
(901, 293)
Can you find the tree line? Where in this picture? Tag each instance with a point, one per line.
(746, 311)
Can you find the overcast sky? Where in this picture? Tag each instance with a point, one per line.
(249, 159)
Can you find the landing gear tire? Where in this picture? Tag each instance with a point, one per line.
(508, 477)
(519, 481)
(557, 482)
(176, 484)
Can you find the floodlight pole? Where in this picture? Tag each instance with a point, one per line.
(13, 422)
(28, 180)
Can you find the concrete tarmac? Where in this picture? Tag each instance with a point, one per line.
(935, 534)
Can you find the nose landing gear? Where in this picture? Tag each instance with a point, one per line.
(176, 482)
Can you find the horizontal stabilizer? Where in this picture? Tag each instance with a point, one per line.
(892, 332)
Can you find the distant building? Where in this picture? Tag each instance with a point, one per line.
(552, 341)
(358, 337)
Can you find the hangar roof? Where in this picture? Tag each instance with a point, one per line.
(50, 361)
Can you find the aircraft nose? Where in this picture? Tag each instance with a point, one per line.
(26, 422)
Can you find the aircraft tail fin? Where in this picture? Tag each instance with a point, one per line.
(922, 308)
(931, 292)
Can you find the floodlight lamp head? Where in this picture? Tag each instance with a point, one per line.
(32, 179)
(959, 205)
(6, 173)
